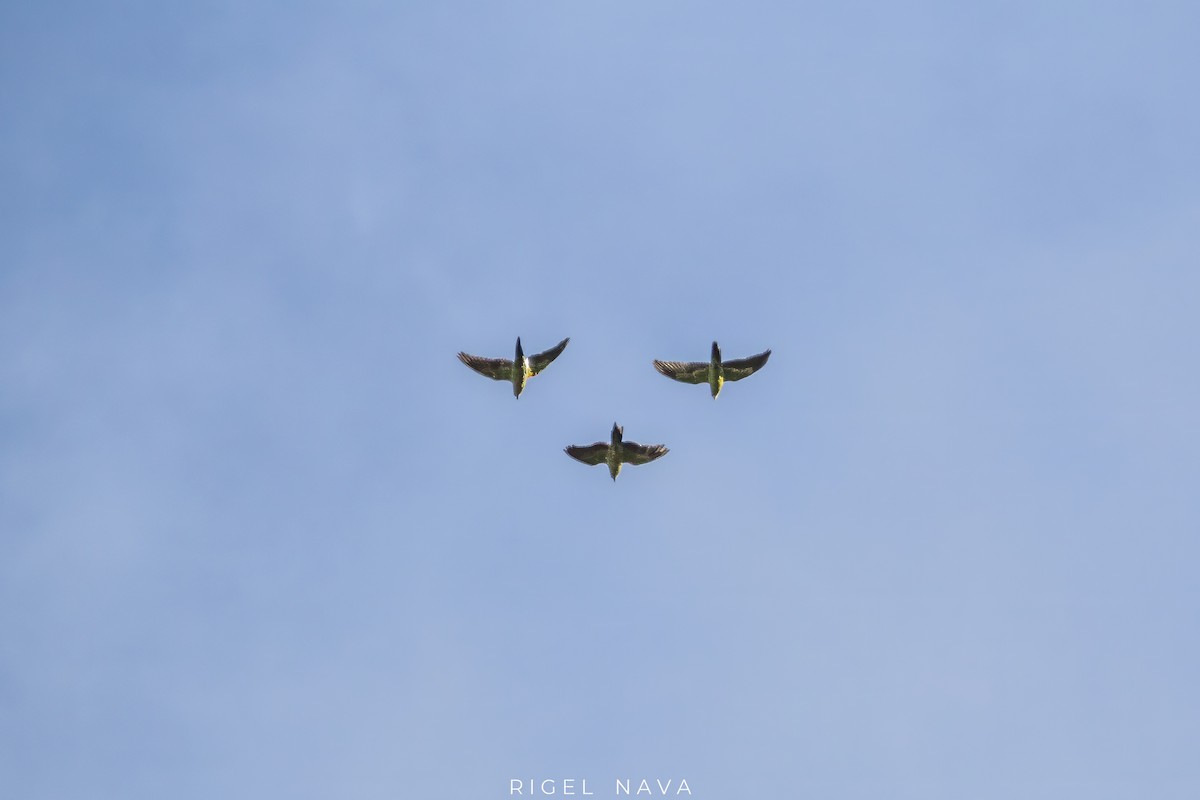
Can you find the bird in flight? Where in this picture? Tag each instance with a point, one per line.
(615, 452)
(516, 371)
(714, 372)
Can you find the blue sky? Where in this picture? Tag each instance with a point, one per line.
(261, 534)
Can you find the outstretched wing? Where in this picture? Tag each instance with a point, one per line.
(499, 369)
(688, 372)
(634, 453)
(742, 367)
(542, 360)
(588, 453)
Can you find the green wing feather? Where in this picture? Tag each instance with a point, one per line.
(592, 454)
(742, 367)
(635, 453)
(542, 360)
(684, 371)
(499, 369)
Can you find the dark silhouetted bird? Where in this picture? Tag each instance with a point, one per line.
(517, 371)
(714, 372)
(615, 452)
